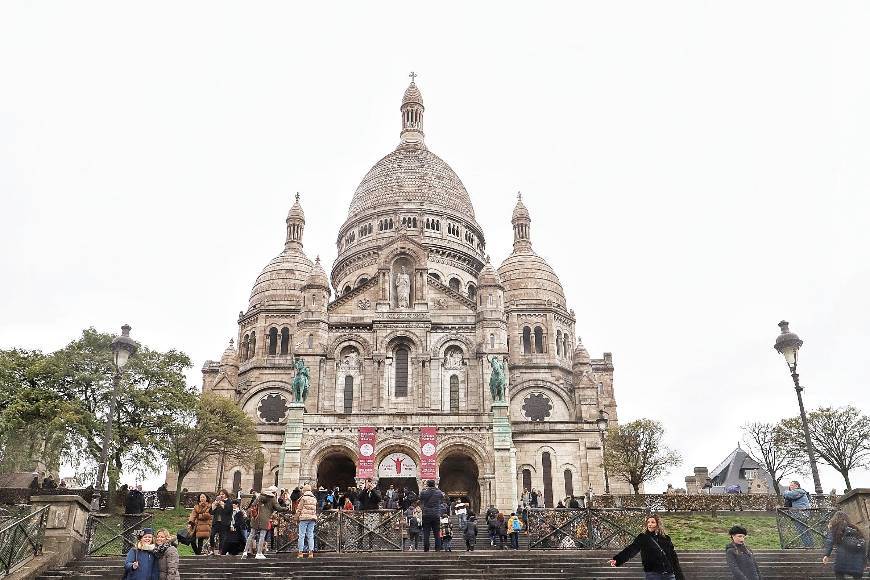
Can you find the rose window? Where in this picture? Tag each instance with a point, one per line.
(273, 408)
(537, 407)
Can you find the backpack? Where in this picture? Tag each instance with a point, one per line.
(516, 525)
(853, 543)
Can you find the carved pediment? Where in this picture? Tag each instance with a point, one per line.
(445, 300)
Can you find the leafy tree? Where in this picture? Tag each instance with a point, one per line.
(840, 437)
(151, 394)
(34, 423)
(215, 427)
(636, 454)
(769, 445)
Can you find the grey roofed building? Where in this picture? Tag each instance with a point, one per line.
(741, 469)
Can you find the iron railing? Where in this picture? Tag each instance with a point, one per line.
(583, 529)
(345, 531)
(703, 502)
(801, 529)
(114, 534)
(21, 539)
(326, 533)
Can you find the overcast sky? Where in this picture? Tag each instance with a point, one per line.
(695, 172)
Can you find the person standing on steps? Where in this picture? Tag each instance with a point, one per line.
(413, 530)
(140, 563)
(199, 523)
(657, 552)
(739, 557)
(514, 526)
(851, 547)
(166, 554)
(431, 500)
(470, 533)
(461, 511)
(221, 512)
(261, 513)
(306, 513)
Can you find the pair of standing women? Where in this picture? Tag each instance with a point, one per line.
(148, 560)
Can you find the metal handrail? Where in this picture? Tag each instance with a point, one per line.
(21, 540)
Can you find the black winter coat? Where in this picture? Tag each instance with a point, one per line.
(741, 562)
(369, 499)
(135, 503)
(847, 561)
(470, 530)
(430, 502)
(656, 552)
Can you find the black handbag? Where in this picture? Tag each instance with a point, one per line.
(183, 536)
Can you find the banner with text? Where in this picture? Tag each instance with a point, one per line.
(428, 450)
(366, 458)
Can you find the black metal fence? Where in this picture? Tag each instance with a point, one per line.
(345, 531)
(802, 529)
(704, 502)
(583, 529)
(113, 534)
(21, 538)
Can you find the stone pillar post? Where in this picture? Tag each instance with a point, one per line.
(505, 458)
(291, 450)
(856, 504)
(65, 533)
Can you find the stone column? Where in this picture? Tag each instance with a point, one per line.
(65, 533)
(856, 504)
(505, 458)
(377, 383)
(291, 450)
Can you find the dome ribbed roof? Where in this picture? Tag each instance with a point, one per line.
(282, 279)
(520, 211)
(229, 356)
(527, 276)
(412, 95)
(317, 278)
(296, 211)
(411, 174)
(581, 355)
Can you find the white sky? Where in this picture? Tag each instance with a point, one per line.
(695, 172)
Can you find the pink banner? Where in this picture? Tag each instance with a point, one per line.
(428, 452)
(366, 458)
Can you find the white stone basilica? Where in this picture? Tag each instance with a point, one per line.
(404, 344)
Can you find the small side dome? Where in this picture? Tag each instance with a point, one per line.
(520, 210)
(317, 278)
(488, 276)
(581, 355)
(280, 281)
(296, 211)
(230, 357)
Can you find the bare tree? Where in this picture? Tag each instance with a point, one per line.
(636, 454)
(840, 437)
(769, 445)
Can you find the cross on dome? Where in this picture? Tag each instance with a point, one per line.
(413, 76)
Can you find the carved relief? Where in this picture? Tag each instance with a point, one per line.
(364, 304)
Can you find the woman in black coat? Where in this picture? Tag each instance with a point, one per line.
(657, 552)
(851, 547)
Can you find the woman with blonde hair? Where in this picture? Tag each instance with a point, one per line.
(851, 547)
(306, 513)
(140, 563)
(657, 552)
(166, 553)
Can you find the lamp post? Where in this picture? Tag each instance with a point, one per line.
(122, 347)
(787, 344)
(602, 422)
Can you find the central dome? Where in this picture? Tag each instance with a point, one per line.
(411, 174)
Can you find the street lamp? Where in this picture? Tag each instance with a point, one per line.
(122, 348)
(602, 430)
(787, 344)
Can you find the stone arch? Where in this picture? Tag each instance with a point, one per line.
(460, 340)
(283, 386)
(357, 340)
(397, 445)
(404, 246)
(459, 444)
(549, 481)
(517, 389)
(406, 334)
(560, 477)
(318, 450)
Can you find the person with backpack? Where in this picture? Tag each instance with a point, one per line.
(738, 556)
(514, 526)
(446, 533)
(492, 524)
(798, 500)
(460, 508)
(851, 547)
(470, 532)
(413, 530)
(657, 552)
(260, 514)
(431, 499)
(502, 530)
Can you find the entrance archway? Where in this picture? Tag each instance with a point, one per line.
(458, 478)
(336, 470)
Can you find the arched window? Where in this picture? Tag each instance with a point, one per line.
(527, 479)
(401, 362)
(472, 291)
(455, 284)
(252, 346)
(558, 343)
(491, 341)
(348, 394)
(285, 340)
(539, 339)
(346, 290)
(362, 282)
(391, 223)
(527, 340)
(436, 276)
(273, 341)
(546, 464)
(310, 341)
(244, 347)
(454, 394)
(569, 483)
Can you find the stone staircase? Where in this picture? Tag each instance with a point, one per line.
(458, 565)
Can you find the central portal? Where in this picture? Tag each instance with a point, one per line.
(336, 470)
(398, 470)
(459, 477)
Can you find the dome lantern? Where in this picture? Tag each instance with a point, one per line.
(295, 225)
(412, 113)
(522, 225)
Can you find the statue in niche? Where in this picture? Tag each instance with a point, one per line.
(498, 378)
(350, 360)
(300, 381)
(403, 289)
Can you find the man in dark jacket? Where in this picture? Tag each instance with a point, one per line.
(430, 502)
(739, 557)
(370, 498)
(470, 533)
(135, 503)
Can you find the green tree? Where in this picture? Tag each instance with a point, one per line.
(840, 437)
(636, 454)
(34, 422)
(213, 429)
(769, 445)
(152, 393)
